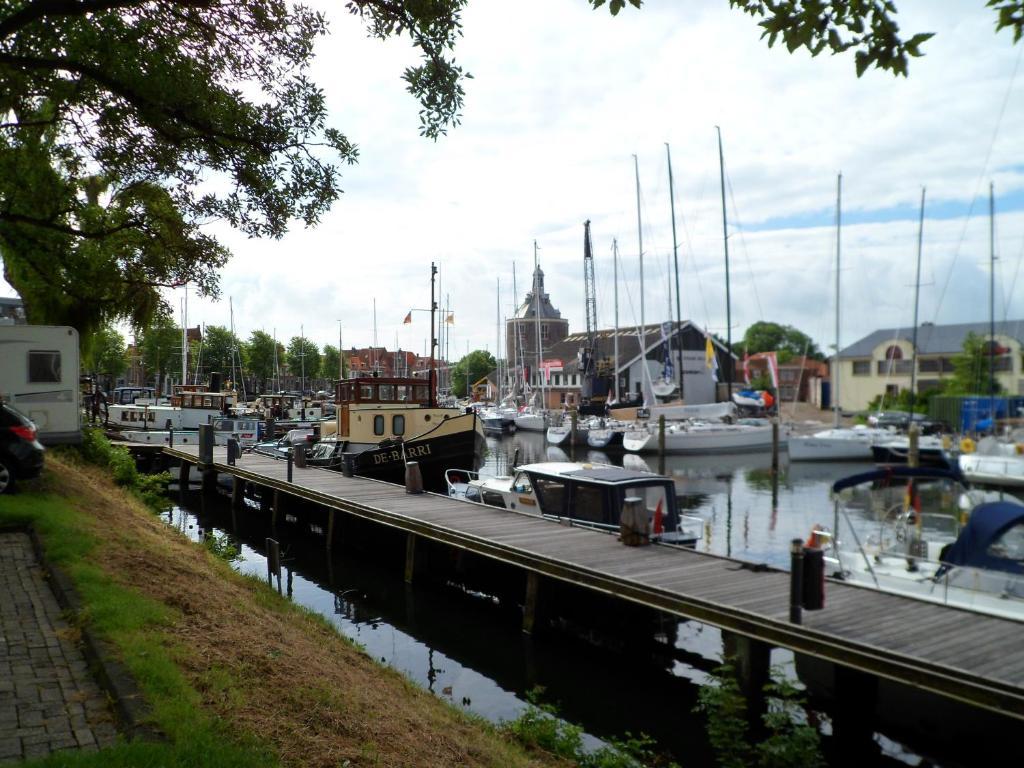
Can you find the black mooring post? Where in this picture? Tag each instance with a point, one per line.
(796, 580)
(289, 466)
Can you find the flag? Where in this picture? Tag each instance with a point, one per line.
(659, 520)
(773, 368)
(408, 318)
(746, 369)
(450, 319)
(711, 359)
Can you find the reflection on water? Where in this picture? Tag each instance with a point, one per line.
(470, 650)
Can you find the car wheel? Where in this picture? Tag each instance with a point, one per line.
(6, 477)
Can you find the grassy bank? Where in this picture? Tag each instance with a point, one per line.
(234, 673)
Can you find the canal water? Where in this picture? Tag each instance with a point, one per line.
(468, 648)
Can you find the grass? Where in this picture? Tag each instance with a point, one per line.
(235, 674)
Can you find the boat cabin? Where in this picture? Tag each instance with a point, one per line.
(365, 391)
(287, 406)
(128, 395)
(218, 401)
(373, 409)
(592, 495)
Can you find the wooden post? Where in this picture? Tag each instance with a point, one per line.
(410, 557)
(237, 487)
(574, 419)
(661, 435)
(413, 477)
(209, 482)
(913, 448)
(276, 508)
(183, 476)
(775, 445)
(796, 580)
(751, 661)
(530, 603)
(330, 528)
(273, 559)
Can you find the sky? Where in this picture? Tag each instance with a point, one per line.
(562, 99)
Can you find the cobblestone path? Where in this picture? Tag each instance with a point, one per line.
(48, 699)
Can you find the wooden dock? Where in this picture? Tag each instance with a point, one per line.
(968, 657)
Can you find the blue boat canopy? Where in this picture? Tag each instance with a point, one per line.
(986, 526)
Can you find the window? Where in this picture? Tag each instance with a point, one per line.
(398, 425)
(43, 367)
(895, 367)
(587, 504)
(421, 393)
(543, 332)
(551, 494)
(402, 392)
(386, 392)
(522, 484)
(494, 499)
(208, 402)
(378, 425)
(1010, 545)
(894, 353)
(366, 391)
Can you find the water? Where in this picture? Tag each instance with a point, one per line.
(469, 648)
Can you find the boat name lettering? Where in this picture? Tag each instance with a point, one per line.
(411, 452)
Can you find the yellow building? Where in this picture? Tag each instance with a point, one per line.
(882, 362)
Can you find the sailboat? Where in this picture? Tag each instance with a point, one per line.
(837, 443)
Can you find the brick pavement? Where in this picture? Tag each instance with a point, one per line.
(48, 699)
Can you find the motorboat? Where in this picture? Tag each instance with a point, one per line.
(704, 437)
(590, 495)
(382, 424)
(293, 440)
(247, 430)
(994, 461)
(497, 422)
(838, 444)
(956, 547)
(931, 450)
(190, 406)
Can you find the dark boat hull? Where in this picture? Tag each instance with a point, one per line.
(883, 454)
(456, 442)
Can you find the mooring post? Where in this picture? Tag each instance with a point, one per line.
(775, 445)
(276, 508)
(796, 580)
(913, 446)
(170, 437)
(751, 662)
(661, 435)
(530, 603)
(290, 465)
(410, 557)
(273, 559)
(413, 477)
(574, 417)
(237, 486)
(183, 476)
(330, 529)
(300, 456)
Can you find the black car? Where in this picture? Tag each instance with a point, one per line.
(21, 455)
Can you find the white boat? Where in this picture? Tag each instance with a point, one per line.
(995, 462)
(931, 449)
(190, 407)
(590, 495)
(246, 430)
(532, 420)
(704, 437)
(977, 566)
(837, 444)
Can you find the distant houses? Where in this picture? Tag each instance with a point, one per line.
(882, 362)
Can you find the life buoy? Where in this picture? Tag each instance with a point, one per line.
(967, 445)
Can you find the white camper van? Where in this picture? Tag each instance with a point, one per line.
(39, 370)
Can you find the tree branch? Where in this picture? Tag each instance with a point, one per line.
(41, 8)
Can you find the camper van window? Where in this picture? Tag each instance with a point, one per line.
(44, 367)
(398, 425)
(587, 504)
(378, 425)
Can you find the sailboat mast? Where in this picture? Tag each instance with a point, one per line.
(992, 302)
(184, 338)
(835, 363)
(433, 339)
(615, 345)
(536, 311)
(640, 240)
(725, 240)
(497, 338)
(675, 259)
(917, 296)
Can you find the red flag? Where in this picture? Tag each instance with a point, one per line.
(659, 519)
(408, 318)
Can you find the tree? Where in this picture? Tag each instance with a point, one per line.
(329, 362)
(261, 357)
(107, 355)
(971, 369)
(478, 363)
(128, 124)
(303, 358)
(219, 344)
(160, 344)
(784, 339)
(867, 27)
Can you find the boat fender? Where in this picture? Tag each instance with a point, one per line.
(814, 541)
(967, 445)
